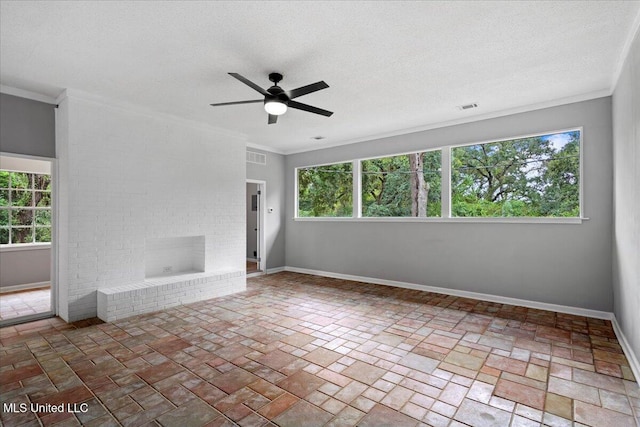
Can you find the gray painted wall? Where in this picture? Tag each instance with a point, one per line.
(26, 126)
(626, 235)
(23, 267)
(567, 264)
(273, 174)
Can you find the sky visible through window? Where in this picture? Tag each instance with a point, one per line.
(559, 140)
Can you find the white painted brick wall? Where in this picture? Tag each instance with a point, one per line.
(126, 176)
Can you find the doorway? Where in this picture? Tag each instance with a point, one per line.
(255, 249)
(26, 249)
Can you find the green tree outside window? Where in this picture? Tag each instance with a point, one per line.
(25, 208)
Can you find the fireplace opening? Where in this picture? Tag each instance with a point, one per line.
(171, 256)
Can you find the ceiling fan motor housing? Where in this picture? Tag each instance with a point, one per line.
(276, 93)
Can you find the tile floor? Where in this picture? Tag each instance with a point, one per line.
(23, 303)
(300, 350)
(252, 267)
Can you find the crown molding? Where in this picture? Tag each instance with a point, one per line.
(264, 148)
(8, 90)
(136, 109)
(476, 118)
(626, 50)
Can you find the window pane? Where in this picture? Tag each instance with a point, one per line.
(22, 235)
(21, 197)
(407, 185)
(527, 177)
(42, 199)
(20, 180)
(325, 191)
(18, 225)
(21, 217)
(42, 182)
(433, 177)
(43, 234)
(4, 197)
(4, 179)
(43, 217)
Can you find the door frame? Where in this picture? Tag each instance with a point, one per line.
(262, 247)
(53, 308)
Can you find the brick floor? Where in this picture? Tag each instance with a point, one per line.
(300, 350)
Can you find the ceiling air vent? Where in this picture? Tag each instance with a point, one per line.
(467, 106)
(257, 158)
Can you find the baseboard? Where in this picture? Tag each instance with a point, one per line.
(626, 348)
(27, 318)
(25, 287)
(252, 259)
(458, 293)
(275, 270)
(255, 274)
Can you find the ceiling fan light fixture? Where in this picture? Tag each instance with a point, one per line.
(275, 107)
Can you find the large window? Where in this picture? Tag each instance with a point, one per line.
(527, 177)
(407, 185)
(325, 191)
(25, 207)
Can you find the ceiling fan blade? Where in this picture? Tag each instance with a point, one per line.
(307, 89)
(249, 83)
(309, 108)
(272, 119)
(236, 102)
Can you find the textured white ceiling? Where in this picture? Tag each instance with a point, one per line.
(391, 66)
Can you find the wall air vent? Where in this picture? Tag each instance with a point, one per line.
(467, 106)
(257, 158)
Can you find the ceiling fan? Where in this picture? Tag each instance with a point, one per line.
(276, 100)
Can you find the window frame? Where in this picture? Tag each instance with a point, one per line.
(33, 208)
(297, 193)
(446, 190)
(571, 219)
(411, 218)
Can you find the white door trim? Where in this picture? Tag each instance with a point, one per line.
(53, 311)
(262, 247)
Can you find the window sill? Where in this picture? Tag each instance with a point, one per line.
(507, 220)
(25, 247)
